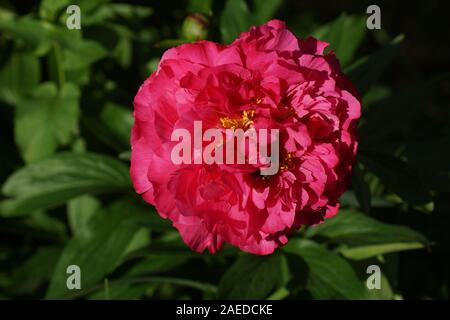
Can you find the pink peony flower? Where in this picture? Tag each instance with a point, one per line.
(267, 78)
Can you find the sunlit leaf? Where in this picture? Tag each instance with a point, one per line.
(344, 35)
(235, 18)
(49, 9)
(364, 252)
(54, 181)
(80, 210)
(356, 229)
(264, 10)
(96, 249)
(33, 34)
(118, 120)
(20, 75)
(46, 119)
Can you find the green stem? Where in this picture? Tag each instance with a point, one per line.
(57, 65)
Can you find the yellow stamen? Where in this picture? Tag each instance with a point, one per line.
(256, 101)
(244, 122)
(288, 161)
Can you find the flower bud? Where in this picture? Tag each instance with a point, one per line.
(195, 27)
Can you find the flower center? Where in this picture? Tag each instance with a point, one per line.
(287, 161)
(244, 122)
(256, 100)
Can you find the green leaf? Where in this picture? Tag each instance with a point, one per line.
(385, 293)
(344, 35)
(157, 264)
(118, 120)
(167, 43)
(45, 120)
(20, 75)
(44, 222)
(173, 248)
(89, 7)
(140, 240)
(200, 6)
(54, 181)
(353, 228)
(95, 127)
(80, 210)
(398, 176)
(235, 18)
(253, 277)
(123, 50)
(33, 34)
(131, 12)
(116, 11)
(364, 252)
(367, 70)
(330, 276)
(7, 14)
(80, 53)
(151, 281)
(159, 257)
(97, 249)
(49, 9)
(148, 216)
(125, 155)
(280, 294)
(264, 10)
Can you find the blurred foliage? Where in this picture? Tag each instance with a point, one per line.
(66, 104)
